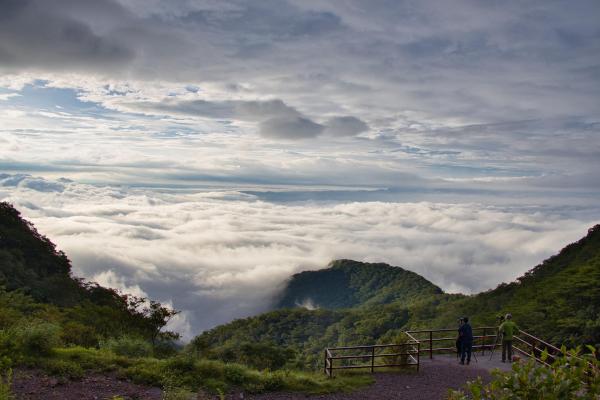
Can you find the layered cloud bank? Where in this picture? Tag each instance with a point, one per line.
(221, 255)
(200, 151)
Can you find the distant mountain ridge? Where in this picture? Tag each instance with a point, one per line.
(348, 283)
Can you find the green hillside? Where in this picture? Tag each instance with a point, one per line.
(347, 283)
(558, 300)
(69, 328)
(86, 312)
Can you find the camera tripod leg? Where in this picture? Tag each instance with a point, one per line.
(495, 345)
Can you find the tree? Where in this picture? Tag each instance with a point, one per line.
(157, 317)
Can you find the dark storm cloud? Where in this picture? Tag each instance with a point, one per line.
(244, 110)
(277, 120)
(345, 126)
(265, 20)
(39, 35)
(294, 128)
(451, 80)
(480, 61)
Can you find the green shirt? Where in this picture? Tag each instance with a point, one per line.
(507, 329)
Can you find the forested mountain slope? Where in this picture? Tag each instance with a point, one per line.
(559, 300)
(348, 283)
(36, 284)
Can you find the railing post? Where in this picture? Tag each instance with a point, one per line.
(372, 359)
(325, 363)
(430, 345)
(484, 342)
(418, 355)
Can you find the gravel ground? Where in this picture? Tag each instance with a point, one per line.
(33, 385)
(432, 382)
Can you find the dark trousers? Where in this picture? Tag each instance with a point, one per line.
(466, 351)
(458, 348)
(507, 350)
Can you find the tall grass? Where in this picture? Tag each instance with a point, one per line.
(182, 374)
(5, 386)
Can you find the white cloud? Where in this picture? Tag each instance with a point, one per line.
(396, 101)
(221, 255)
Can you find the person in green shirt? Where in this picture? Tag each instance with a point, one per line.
(507, 329)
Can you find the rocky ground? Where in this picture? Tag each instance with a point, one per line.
(431, 382)
(33, 385)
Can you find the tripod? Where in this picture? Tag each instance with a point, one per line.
(498, 337)
(473, 353)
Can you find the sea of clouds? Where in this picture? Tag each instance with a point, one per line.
(222, 254)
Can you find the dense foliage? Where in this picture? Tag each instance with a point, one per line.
(558, 300)
(69, 327)
(347, 283)
(36, 287)
(573, 376)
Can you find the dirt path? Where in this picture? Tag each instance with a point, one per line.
(431, 383)
(33, 385)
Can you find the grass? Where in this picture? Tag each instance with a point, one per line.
(5, 385)
(183, 373)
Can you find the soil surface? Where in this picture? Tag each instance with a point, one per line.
(34, 385)
(430, 383)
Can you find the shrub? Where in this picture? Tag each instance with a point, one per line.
(237, 374)
(128, 346)
(214, 385)
(8, 349)
(99, 360)
(61, 368)
(37, 338)
(171, 391)
(274, 381)
(5, 386)
(569, 377)
(165, 349)
(401, 359)
(263, 355)
(79, 334)
(148, 372)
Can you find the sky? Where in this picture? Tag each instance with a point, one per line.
(200, 152)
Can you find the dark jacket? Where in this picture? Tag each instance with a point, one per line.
(465, 333)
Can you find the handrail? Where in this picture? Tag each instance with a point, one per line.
(541, 341)
(449, 329)
(412, 349)
(408, 353)
(483, 338)
(366, 347)
(407, 333)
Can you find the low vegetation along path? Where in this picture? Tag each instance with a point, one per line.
(431, 382)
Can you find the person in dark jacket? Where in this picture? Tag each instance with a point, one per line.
(458, 341)
(465, 333)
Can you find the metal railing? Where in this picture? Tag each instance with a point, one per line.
(530, 346)
(400, 355)
(438, 341)
(430, 341)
